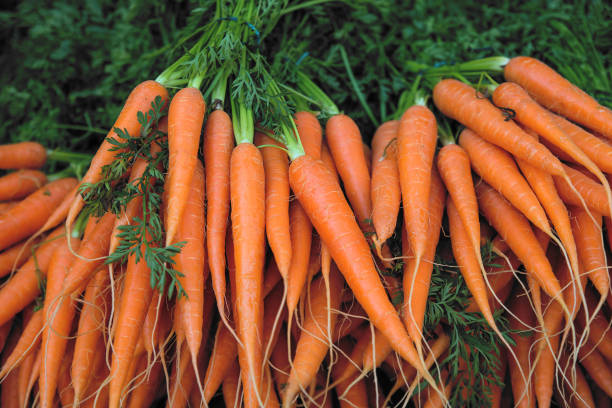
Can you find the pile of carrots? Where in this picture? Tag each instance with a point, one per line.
(281, 291)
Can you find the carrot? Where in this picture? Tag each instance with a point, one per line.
(516, 231)
(64, 383)
(231, 385)
(589, 243)
(416, 281)
(96, 305)
(575, 384)
(24, 155)
(279, 361)
(312, 346)
(139, 100)
(247, 192)
(24, 370)
(310, 132)
(597, 368)
(27, 343)
(59, 214)
(185, 119)
(223, 356)
(191, 261)
(546, 350)
(217, 146)
(385, 187)
(416, 141)
(19, 184)
(30, 214)
(323, 200)
(5, 330)
(96, 394)
(276, 168)
(15, 256)
(144, 394)
(135, 299)
(91, 254)
(496, 167)
(301, 241)
(550, 89)
(346, 147)
(599, 331)
(462, 103)
(522, 386)
(349, 394)
(23, 287)
(4, 207)
(58, 314)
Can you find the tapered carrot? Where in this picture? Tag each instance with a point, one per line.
(30, 214)
(416, 141)
(191, 261)
(349, 394)
(96, 306)
(546, 349)
(593, 193)
(416, 281)
(464, 104)
(223, 356)
(323, 200)
(217, 145)
(276, 167)
(58, 314)
(598, 369)
(135, 301)
(599, 331)
(185, 119)
(144, 394)
(559, 95)
(231, 387)
(26, 344)
(139, 100)
(15, 256)
(520, 369)
(516, 231)
(496, 167)
(310, 132)
(23, 287)
(23, 155)
(301, 240)
(575, 385)
(346, 147)
(92, 253)
(385, 186)
(19, 184)
(313, 345)
(248, 229)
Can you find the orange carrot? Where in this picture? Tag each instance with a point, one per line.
(310, 132)
(58, 314)
(248, 229)
(64, 382)
(416, 141)
(223, 356)
(144, 394)
(301, 241)
(30, 214)
(547, 348)
(312, 346)
(15, 256)
(599, 370)
(323, 200)
(276, 167)
(139, 100)
(185, 119)
(26, 344)
(346, 147)
(592, 192)
(522, 386)
(599, 327)
(385, 187)
(217, 146)
(464, 104)
(556, 93)
(496, 167)
(356, 395)
(231, 384)
(516, 231)
(19, 184)
(24, 155)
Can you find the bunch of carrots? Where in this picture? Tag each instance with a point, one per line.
(250, 258)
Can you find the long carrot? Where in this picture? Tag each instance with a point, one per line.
(416, 141)
(323, 200)
(23, 155)
(139, 100)
(464, 104)
(301, 241)
(346, 147)
(217, 145)
(559, 95)
(19, 184)
(385, 186)
(30, 214)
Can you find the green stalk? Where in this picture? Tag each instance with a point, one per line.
(356, 88)
(444, 133)
(80, 224)
(314, 93)
(67, 157)
(216, 93)
(474, 67)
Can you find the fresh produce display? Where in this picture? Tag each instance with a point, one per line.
(235, 239)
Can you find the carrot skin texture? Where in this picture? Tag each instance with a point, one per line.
(591, 191)
(385, 185)
(462, 103)
(16, 256)
(20, 184)
(276, 166)
(310, 132)
(26, 344)
(23, 155)
(185, 119)
(218, 144)
(558, 94)
(346, 147)
(223, 356)
(333, 219)
(139, 100)
(417, 138)
(247, 192)
(30, 214)
(301, 242)
(524, 395)
(594, 364)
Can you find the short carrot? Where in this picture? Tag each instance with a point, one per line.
(23, 155)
